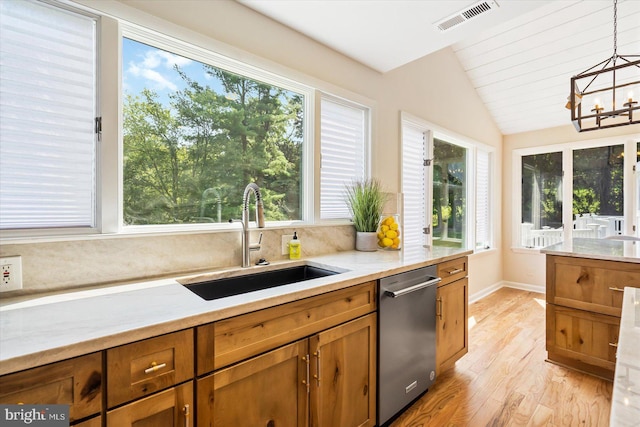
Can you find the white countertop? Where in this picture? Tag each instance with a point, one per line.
(625, 403)
(612, 250)
(45, 329)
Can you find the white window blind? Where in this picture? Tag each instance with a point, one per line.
(47, 112)
(414, 190)
(483, 203)
(343, 136)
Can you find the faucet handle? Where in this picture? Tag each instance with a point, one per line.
(256, 246)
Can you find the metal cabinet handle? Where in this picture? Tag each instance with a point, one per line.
(306, 381)
(616, 289)
(613, 344)
(455, 271)
(155, 367)
(439, 307)
(317, 376)
(186, 413)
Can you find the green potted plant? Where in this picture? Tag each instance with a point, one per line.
(366, 200)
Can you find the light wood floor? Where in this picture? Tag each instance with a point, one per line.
(504, 379)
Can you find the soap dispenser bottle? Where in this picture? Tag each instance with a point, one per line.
(295, 247)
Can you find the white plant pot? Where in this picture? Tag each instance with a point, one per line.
(366, 241)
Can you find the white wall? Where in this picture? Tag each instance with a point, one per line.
(434, 88)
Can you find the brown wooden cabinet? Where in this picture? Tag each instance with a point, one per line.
(266, 390)
(145, 367)
(452, 300)
(343, 375)
(92, 422)
(170, 408)
(237, 338)
(76, 382)
(584, 301)
(307, 362)
(328, 379)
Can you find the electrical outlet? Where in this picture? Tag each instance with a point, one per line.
(11, 269)
(285, 243)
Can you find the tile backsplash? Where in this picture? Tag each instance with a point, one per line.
(49, 266)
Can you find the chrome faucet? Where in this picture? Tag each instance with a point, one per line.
(248, 247)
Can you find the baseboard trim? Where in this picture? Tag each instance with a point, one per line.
(504, 284)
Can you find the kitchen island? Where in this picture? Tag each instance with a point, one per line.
(589, 327)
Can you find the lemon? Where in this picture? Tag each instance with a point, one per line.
(388, 220)
(396, 242)
(386, 242)
(380, 235)
(391, 234)
(393, 226)
(384, 228)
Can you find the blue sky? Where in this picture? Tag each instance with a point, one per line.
(145, 66)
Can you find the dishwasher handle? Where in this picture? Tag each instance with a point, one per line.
(412, 288)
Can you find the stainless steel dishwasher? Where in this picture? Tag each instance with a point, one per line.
(406, 339)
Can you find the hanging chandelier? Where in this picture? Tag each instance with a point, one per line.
(608, 90)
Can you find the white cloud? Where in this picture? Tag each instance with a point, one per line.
(153, 60)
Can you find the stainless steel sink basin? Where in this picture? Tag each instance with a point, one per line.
(225, 287)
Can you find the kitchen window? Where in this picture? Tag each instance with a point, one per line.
(446, 187)
(48, 82)
(575, 190)
(450, 198)
(196, 128)
(196, 131)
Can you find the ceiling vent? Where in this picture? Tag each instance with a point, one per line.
(464, 15)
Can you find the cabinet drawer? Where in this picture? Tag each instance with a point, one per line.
(228, 341)
(170, 408)
(144, 367)
(592, 285)
(450, 271)
(75, 382)
(582, 340)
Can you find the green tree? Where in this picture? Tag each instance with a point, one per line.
(185, 160)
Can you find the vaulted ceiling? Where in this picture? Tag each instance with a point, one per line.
(518, 54)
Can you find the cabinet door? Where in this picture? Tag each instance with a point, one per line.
(343, 380)
(75, 382)
(170, 408)
(583, 340)
(93, 422)
(238, 338)
(451, 323)
(269, 390)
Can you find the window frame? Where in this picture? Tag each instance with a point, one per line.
(567, 148)
(192, 51)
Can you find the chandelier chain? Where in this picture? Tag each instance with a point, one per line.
(615, 28)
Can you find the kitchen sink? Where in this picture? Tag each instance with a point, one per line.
(229, 286)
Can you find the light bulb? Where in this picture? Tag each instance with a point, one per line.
(630, 96)
(597, 104)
